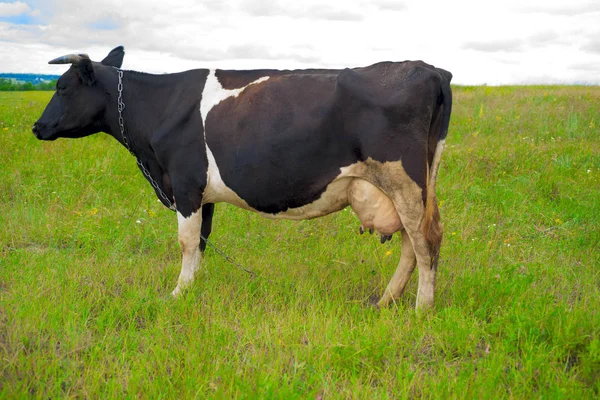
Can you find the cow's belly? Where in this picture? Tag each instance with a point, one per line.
(334, 198)
(374, 209)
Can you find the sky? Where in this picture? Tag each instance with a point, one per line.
(479, 41)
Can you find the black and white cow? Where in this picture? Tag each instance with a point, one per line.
(285, 144)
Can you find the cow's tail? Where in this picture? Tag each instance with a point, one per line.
(432, 227)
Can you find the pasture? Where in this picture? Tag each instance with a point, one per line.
(88, 257)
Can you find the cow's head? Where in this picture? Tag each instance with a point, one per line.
(77, 107)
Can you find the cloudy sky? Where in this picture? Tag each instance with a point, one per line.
(499, 42)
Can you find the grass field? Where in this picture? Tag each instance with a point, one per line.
(88, 257)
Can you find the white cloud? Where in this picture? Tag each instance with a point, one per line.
(13, 9)
(592, 43)
(493, 46)
(566, 8)
(389, 5)
(480, 42)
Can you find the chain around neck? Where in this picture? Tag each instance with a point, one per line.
(120, 108)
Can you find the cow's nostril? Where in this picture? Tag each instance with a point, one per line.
(35, 130)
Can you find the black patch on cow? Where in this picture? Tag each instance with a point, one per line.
(208, 211)
(233, 79)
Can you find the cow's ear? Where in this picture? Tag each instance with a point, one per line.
(86, 72)
(115, 57)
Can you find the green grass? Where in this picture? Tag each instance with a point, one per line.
(88, 257)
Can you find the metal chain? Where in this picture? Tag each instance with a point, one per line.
(238, 265)
(121, 107)
(231, 260)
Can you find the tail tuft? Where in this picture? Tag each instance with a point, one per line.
(432, 228)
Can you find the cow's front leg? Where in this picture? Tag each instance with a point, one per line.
(189, 241)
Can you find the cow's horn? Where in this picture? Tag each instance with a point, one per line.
(68, 59)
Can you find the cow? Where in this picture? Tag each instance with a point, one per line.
(293, 144)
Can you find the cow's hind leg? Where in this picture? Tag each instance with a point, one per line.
(414, 217)
(189, 241)
(407, 197)
(405, 268)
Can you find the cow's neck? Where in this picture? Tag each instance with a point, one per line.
(141, 115)
(144, 104)
(152, 103)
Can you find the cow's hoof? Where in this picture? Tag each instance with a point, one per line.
(361, 230)
(381, 303)
(424, 306)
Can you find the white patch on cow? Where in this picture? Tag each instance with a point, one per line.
(213, 94)
(216, 190)
(189, 241)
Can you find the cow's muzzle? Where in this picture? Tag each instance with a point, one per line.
(42, 132)
(36, 130)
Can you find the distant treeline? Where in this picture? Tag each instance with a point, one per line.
(12, 81)
(11, 85)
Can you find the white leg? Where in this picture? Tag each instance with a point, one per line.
(405, 268)
(411, 211)
(425, 293)
(189, 241)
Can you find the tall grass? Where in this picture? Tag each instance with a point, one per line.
(88, 257)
